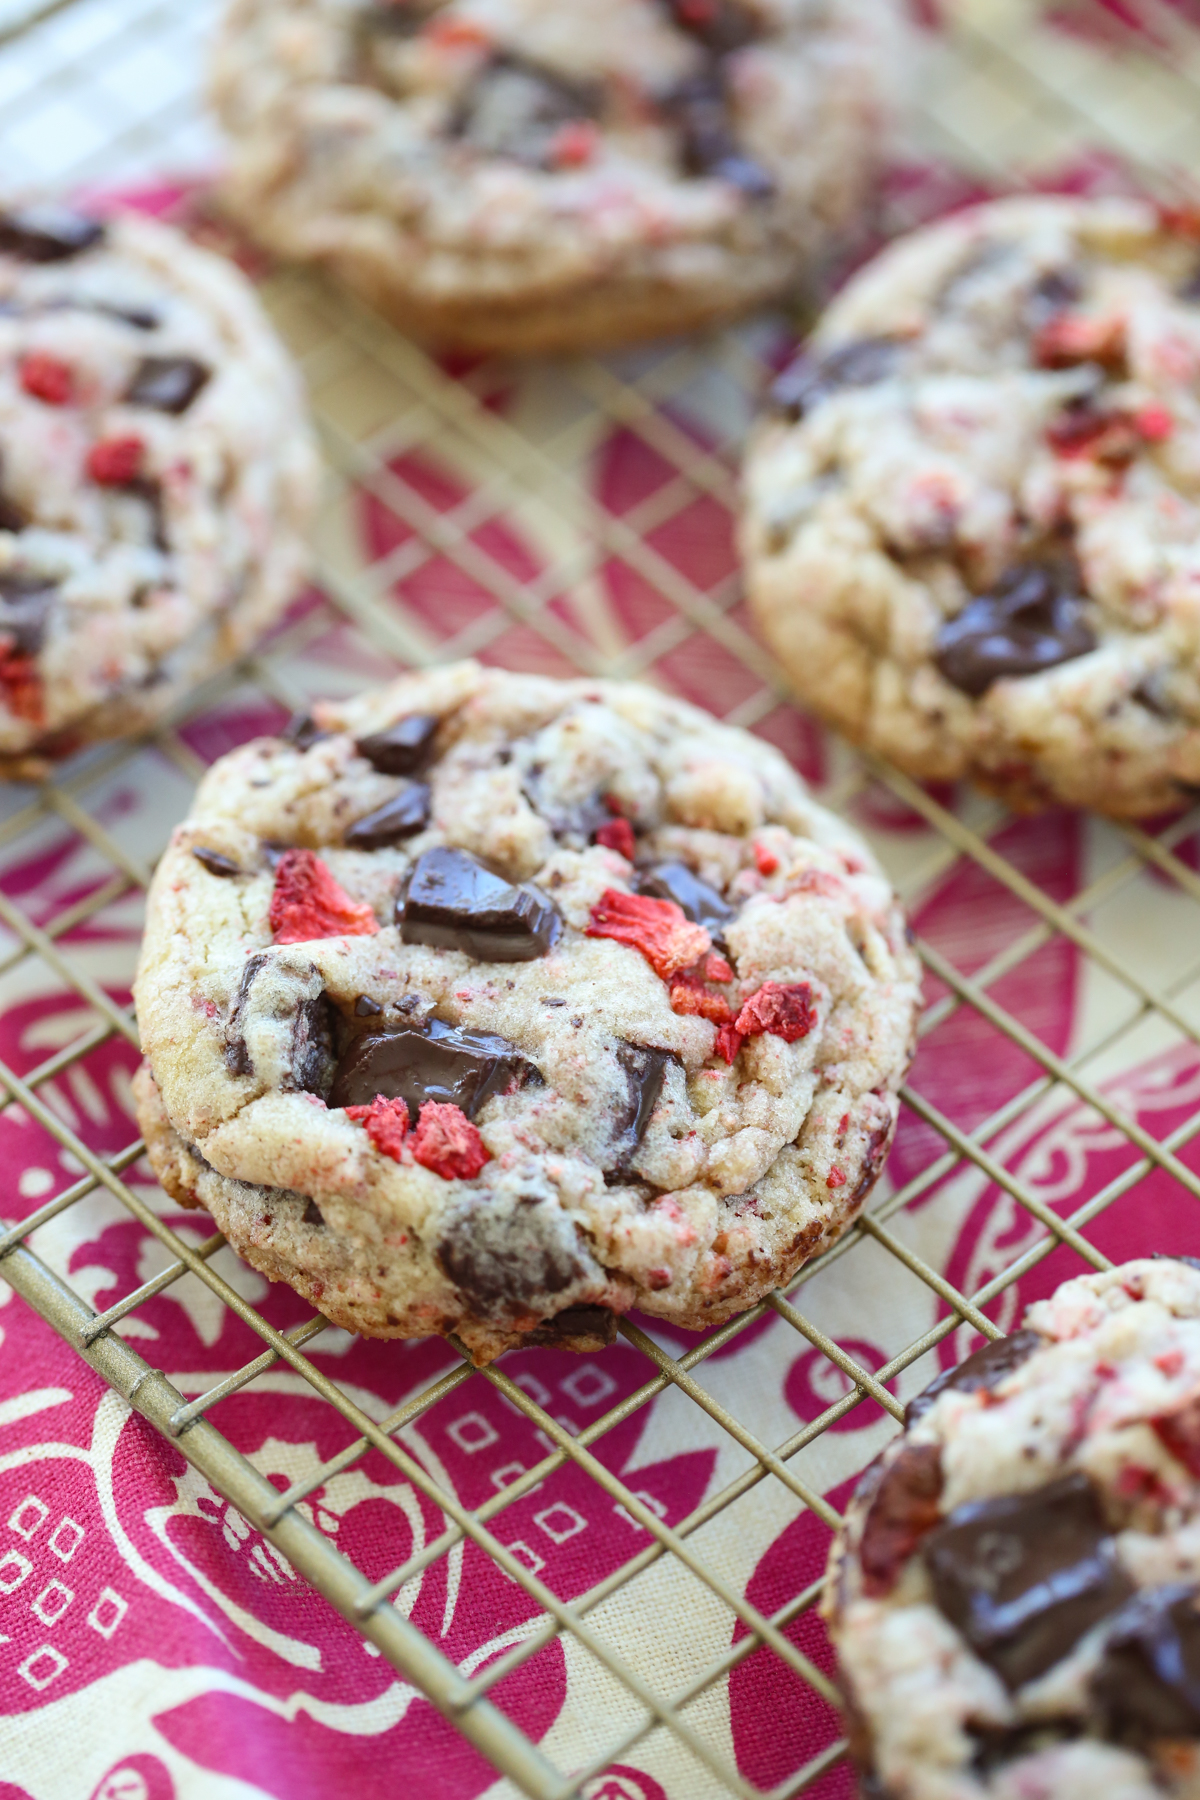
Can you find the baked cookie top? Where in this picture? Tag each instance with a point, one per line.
(479, 164)
(154, 466)
(973, 524)
(1015, 1598)
(545, 994)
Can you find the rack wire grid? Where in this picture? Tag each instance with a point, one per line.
(101, 92)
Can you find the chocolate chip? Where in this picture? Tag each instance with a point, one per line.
(312, 1214)
(302, 731)
(437, 1062)
(516, 108)
(1033, 620)
(1148, 1683)
(720, 25)
(167, 383)
(901, 1493)
(699, 902)
(504, 1257)
(215, 863)
(46, 234)
(699, 108)
(985, 1369)
(577, 1328)
(455, 903)
(25, 602)
(365, 1007)
(644, 1068)
(404, 747)
(401, 817)
(812, 378)
(1024, 1576)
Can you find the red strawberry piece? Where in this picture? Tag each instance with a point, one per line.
(22, 687)
(1154, 423)
(767, 861)
(574, 144)
(836, 1178)
(385, 1123)
(727, 1043)
(690, 996)
(1180, 1433)
(661, 930)
(446, 1142)
(47, 378)
(115, 462)
(617, 835)
(1069, 338)
(717, 969)
(786, 1012)
(308, 903)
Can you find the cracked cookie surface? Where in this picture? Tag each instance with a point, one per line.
(971, 526)
(1015, 1594)
(496, 1004)
(156, 472)
(546, 174)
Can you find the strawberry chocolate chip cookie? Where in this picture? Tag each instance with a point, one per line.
(1015, 1595)
(551, 174)
(972, 526)
(437, 1047)
(155, 475)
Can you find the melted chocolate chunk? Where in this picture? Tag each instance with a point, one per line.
(700, 110)
(645, 1069)
(1033, 620)
(812, 378)
(578, 1327)
(302, 731)
(215, 863)
(310, 1055)
(25, 602)
(437, 1062)
(985, 1368)
(502, 1258)
(399, 818)
(455, 903)
(312, 1214)
(366, 1008)
(516, 108)
(167, 383)
(698, 902)
(47, 234)
(1148, 1684)
(720, 25)
(404, 747)
(1023, 1577)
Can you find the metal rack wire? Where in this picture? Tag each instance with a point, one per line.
(1119, 79)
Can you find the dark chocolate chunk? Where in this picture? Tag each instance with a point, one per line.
(645, 1069)
(998, 1745)
(399, 818)
(1148, 1683)
(310, 1056)
(503, 1257)
(47, 234)
(985, 1368)
(901, 1493)
(391, 18)
(1054, 292)
(167, 383)
(1033, 619)
(312, 1214)
(366, 1008)
(404, 747)
(812, 378)
(697, 900)
(142, 318)
(12, 518)
(237, 1054)
(303, 731)
(25, 602)
(574, 825)
(720, 25)
(1024, 1576)
(215, 863)
(516, 108)
(699, 108)
(455, 903)
(436, 1062)
(1190, 288)
(577, 1328)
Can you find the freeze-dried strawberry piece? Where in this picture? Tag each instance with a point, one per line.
(1069, 338)
(385, 1123)
(574, 144)
(47, 378)
(617, 835)
(766, 860)
(661, 930)
(308, 903)
(727, 1043)
(21, 686)
(690, 996)
(446, 1142)
(1179, 1432)
(717, 969)
(836, 1177)
(115, 462)
(786, 1011)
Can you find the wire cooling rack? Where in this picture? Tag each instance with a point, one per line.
(414, 568)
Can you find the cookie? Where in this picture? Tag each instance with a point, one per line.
(972, 526)
(532, 175)
(155, 474)
(1015, 1595)
(494, 1004)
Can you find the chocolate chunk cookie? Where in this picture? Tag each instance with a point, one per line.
(535, 175)
(1015, 1594)
(972, 522)
(619, 1021)
(156, 473)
